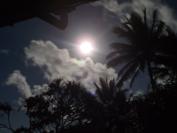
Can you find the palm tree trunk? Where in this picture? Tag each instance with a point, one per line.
(152, 81)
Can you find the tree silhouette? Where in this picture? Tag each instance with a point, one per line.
(118, 116)
(167, 56)
(62, 107)
(67, 107)
(157, 110)
(5, 111)
(143, 40)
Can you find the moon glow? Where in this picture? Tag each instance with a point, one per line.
(86, 47)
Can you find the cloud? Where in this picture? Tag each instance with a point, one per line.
(38, 89)
(57, 63)
(111, 5)
(165, 12)
(18, 80)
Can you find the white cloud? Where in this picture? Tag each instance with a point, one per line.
(165, 12)
(111, 5)
(57, 63)
(18, 80)
(38, 89)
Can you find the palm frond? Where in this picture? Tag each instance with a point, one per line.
(145, 17)
(105, 90)
(136, 22)
(134, 76)
(125, 67)
(112, 54)
(120, 46)
(154, 19)
(126, 75)
(119, 59)
(121, 32)
(160, 28)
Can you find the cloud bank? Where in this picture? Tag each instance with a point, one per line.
(166, 13)
(57, 63)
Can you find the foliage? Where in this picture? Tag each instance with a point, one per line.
(146, 47)
(67, 107)
(60, 108)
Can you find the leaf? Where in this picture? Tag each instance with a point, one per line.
(145, 17)
(112, 55)
(119, 60)
(126, 66)
(120, 31)
(134, 76)
(154, 19)
(126, 75)
(120, 46)
(160, 28)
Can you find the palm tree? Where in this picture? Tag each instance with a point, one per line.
(117, 114)
(137, 54)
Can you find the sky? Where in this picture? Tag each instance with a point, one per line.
(37, 39)
(33, 53)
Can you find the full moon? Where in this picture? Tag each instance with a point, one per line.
(86, 47)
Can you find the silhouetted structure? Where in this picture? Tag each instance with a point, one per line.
(54, 12)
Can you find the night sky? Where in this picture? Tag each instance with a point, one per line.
(86, 21)
(94, 22)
